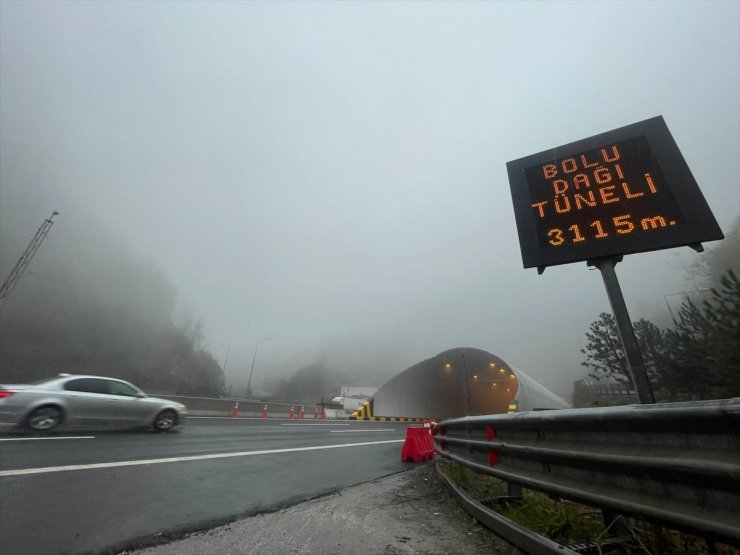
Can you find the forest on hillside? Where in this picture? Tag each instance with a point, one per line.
(89, 305)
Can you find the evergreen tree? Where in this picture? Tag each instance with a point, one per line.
(604, 353)
(703, 348)
(698, 357)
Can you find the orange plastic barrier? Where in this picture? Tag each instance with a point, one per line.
(418, 446)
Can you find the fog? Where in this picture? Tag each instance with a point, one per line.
(332, 175)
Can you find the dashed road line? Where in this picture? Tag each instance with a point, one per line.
(143, 462)
(314, 424)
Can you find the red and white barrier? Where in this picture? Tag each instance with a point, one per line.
(418, 445)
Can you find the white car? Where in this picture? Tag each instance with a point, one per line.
(85, 400)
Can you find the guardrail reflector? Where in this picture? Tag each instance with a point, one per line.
(490, 432)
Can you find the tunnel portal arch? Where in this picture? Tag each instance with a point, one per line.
(436, 388)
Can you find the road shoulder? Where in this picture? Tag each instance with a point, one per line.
(409, 512)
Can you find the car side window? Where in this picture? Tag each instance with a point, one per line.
(120, 388)
(86, 385)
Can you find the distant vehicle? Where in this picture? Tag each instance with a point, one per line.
(85, 400)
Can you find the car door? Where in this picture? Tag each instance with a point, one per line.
(88, 401)
(128, 404)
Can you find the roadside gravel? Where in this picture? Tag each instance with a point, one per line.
(405, 513)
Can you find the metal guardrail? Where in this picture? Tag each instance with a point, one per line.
(247, 407)
(675, 464)
(523, 538)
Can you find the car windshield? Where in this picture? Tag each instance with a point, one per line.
(307, 228)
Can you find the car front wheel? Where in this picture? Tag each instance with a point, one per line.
(43, 419)
(165, 420)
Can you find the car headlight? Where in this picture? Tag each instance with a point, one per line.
(181, 406)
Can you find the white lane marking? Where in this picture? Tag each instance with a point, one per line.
(48, 469)
(314, 424)
(271, 419)
(359, 431)
(232, 418)
(40, 438)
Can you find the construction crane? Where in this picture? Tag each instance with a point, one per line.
(25, 260)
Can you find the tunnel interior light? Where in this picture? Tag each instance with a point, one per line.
(502, 370)
(493, 365)
(448, 365)
(475, 376)
(513, 377)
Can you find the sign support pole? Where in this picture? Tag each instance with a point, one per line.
(635, 364)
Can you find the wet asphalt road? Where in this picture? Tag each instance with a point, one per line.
(107, 491)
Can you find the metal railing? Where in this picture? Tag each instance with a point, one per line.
(675, 464)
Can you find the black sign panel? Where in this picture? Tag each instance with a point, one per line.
(625, 191)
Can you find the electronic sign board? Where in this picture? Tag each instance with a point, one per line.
(624, 191)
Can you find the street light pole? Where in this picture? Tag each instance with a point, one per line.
(251, 370)
(226, 360)
(667, 304)
(467, 383)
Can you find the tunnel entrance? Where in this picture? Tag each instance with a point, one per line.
(458, 382)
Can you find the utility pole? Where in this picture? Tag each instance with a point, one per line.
(228, 349)
(25, 260)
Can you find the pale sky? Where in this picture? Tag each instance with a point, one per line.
(333, 175)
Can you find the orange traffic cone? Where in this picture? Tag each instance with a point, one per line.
(290, 414)
(303, 413)
(235, 410)
(264, 411)
(315, 413)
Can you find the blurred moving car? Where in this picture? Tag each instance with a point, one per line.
(85, 400)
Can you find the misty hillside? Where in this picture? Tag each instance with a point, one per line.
(87, 304)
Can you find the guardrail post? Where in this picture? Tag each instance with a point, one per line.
(616, 524)
(514, 490)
